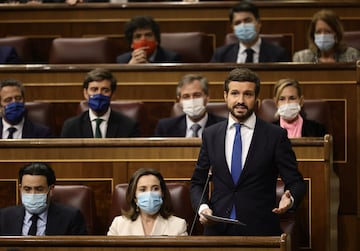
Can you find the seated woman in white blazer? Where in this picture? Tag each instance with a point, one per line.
(150, 205)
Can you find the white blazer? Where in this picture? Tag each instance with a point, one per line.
(172, 226)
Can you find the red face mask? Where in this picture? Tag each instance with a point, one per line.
(150, 46)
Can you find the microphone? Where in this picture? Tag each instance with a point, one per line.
(201, 198)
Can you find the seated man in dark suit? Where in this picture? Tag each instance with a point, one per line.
(143, 34)
(193, 94)
(8, 55)
(100, 121)
(245, 21)
(37, 215)
(14, 123)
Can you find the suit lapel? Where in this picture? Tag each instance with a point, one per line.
(1, 128)
(234, 52)
(18, 223)
(219, 143)
(257, 142)
(180, 130)
(112, 126)
(86, 126)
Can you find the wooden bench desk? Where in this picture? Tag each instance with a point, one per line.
(101, 164)
(153, 243)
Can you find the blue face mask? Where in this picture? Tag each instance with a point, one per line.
(99, 103)
(149, 202)
(245, 32)
(34, 203)
(14, 112)
(324, 41)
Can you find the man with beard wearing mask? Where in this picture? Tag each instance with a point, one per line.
(245, 156)
(143, 35)
(193, 94)
(14, 123)
(245, 22)
(100, 121)
(37, 215)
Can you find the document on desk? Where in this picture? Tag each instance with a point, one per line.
(223, 220)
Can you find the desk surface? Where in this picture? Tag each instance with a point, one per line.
(253, 243)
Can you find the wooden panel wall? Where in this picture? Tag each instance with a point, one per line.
(47, 21)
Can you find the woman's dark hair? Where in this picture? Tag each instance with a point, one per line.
(166, 208)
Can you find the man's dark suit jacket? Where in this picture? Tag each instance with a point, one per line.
(310, 128)
(269, 52)
(162, 56)
(254, 196)
(176, 126)
(61, 220)
(8, 55)
(32, 130)
(119, 126)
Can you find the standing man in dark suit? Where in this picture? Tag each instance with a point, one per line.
(246, 156)
(245, 22)
(100, 121)
(14, 123)
(193, 95)
(37, 215)
(143, 35)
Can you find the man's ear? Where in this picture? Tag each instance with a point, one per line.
(86, 95)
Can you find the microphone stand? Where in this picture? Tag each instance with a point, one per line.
(201, 198)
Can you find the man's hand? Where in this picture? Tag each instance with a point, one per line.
(202, 219)
(284, 204)
(139, 56)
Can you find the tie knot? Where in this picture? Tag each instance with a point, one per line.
(11, 132)
(12, 129)
(98, 121)
(195, 128)
(34, 217)
(237, 126)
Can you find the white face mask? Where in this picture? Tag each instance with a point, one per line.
(324, 41)
(193, 107)
(289, 111)
(34, 203)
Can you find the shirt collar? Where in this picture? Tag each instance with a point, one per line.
(249, 123)
(255, 47)
(18, 126)
(41, 216)
(104, 117)
(201, 122)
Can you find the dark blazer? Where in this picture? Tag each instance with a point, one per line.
(32, 130)
(310, 128)
(119, 126)
(8, 55)
(270, 154)
(61, 220)
(269, 52)
(176, 126)
(162, 56)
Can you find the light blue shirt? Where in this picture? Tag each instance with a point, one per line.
(41, 223)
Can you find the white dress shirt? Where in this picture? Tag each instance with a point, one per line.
(242, 53)
(104, 123)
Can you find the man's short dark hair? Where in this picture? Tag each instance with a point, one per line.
(244, 6)
(100, 74)
(15, 83)
(243, 75)
(142, 22)
(38, 168)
